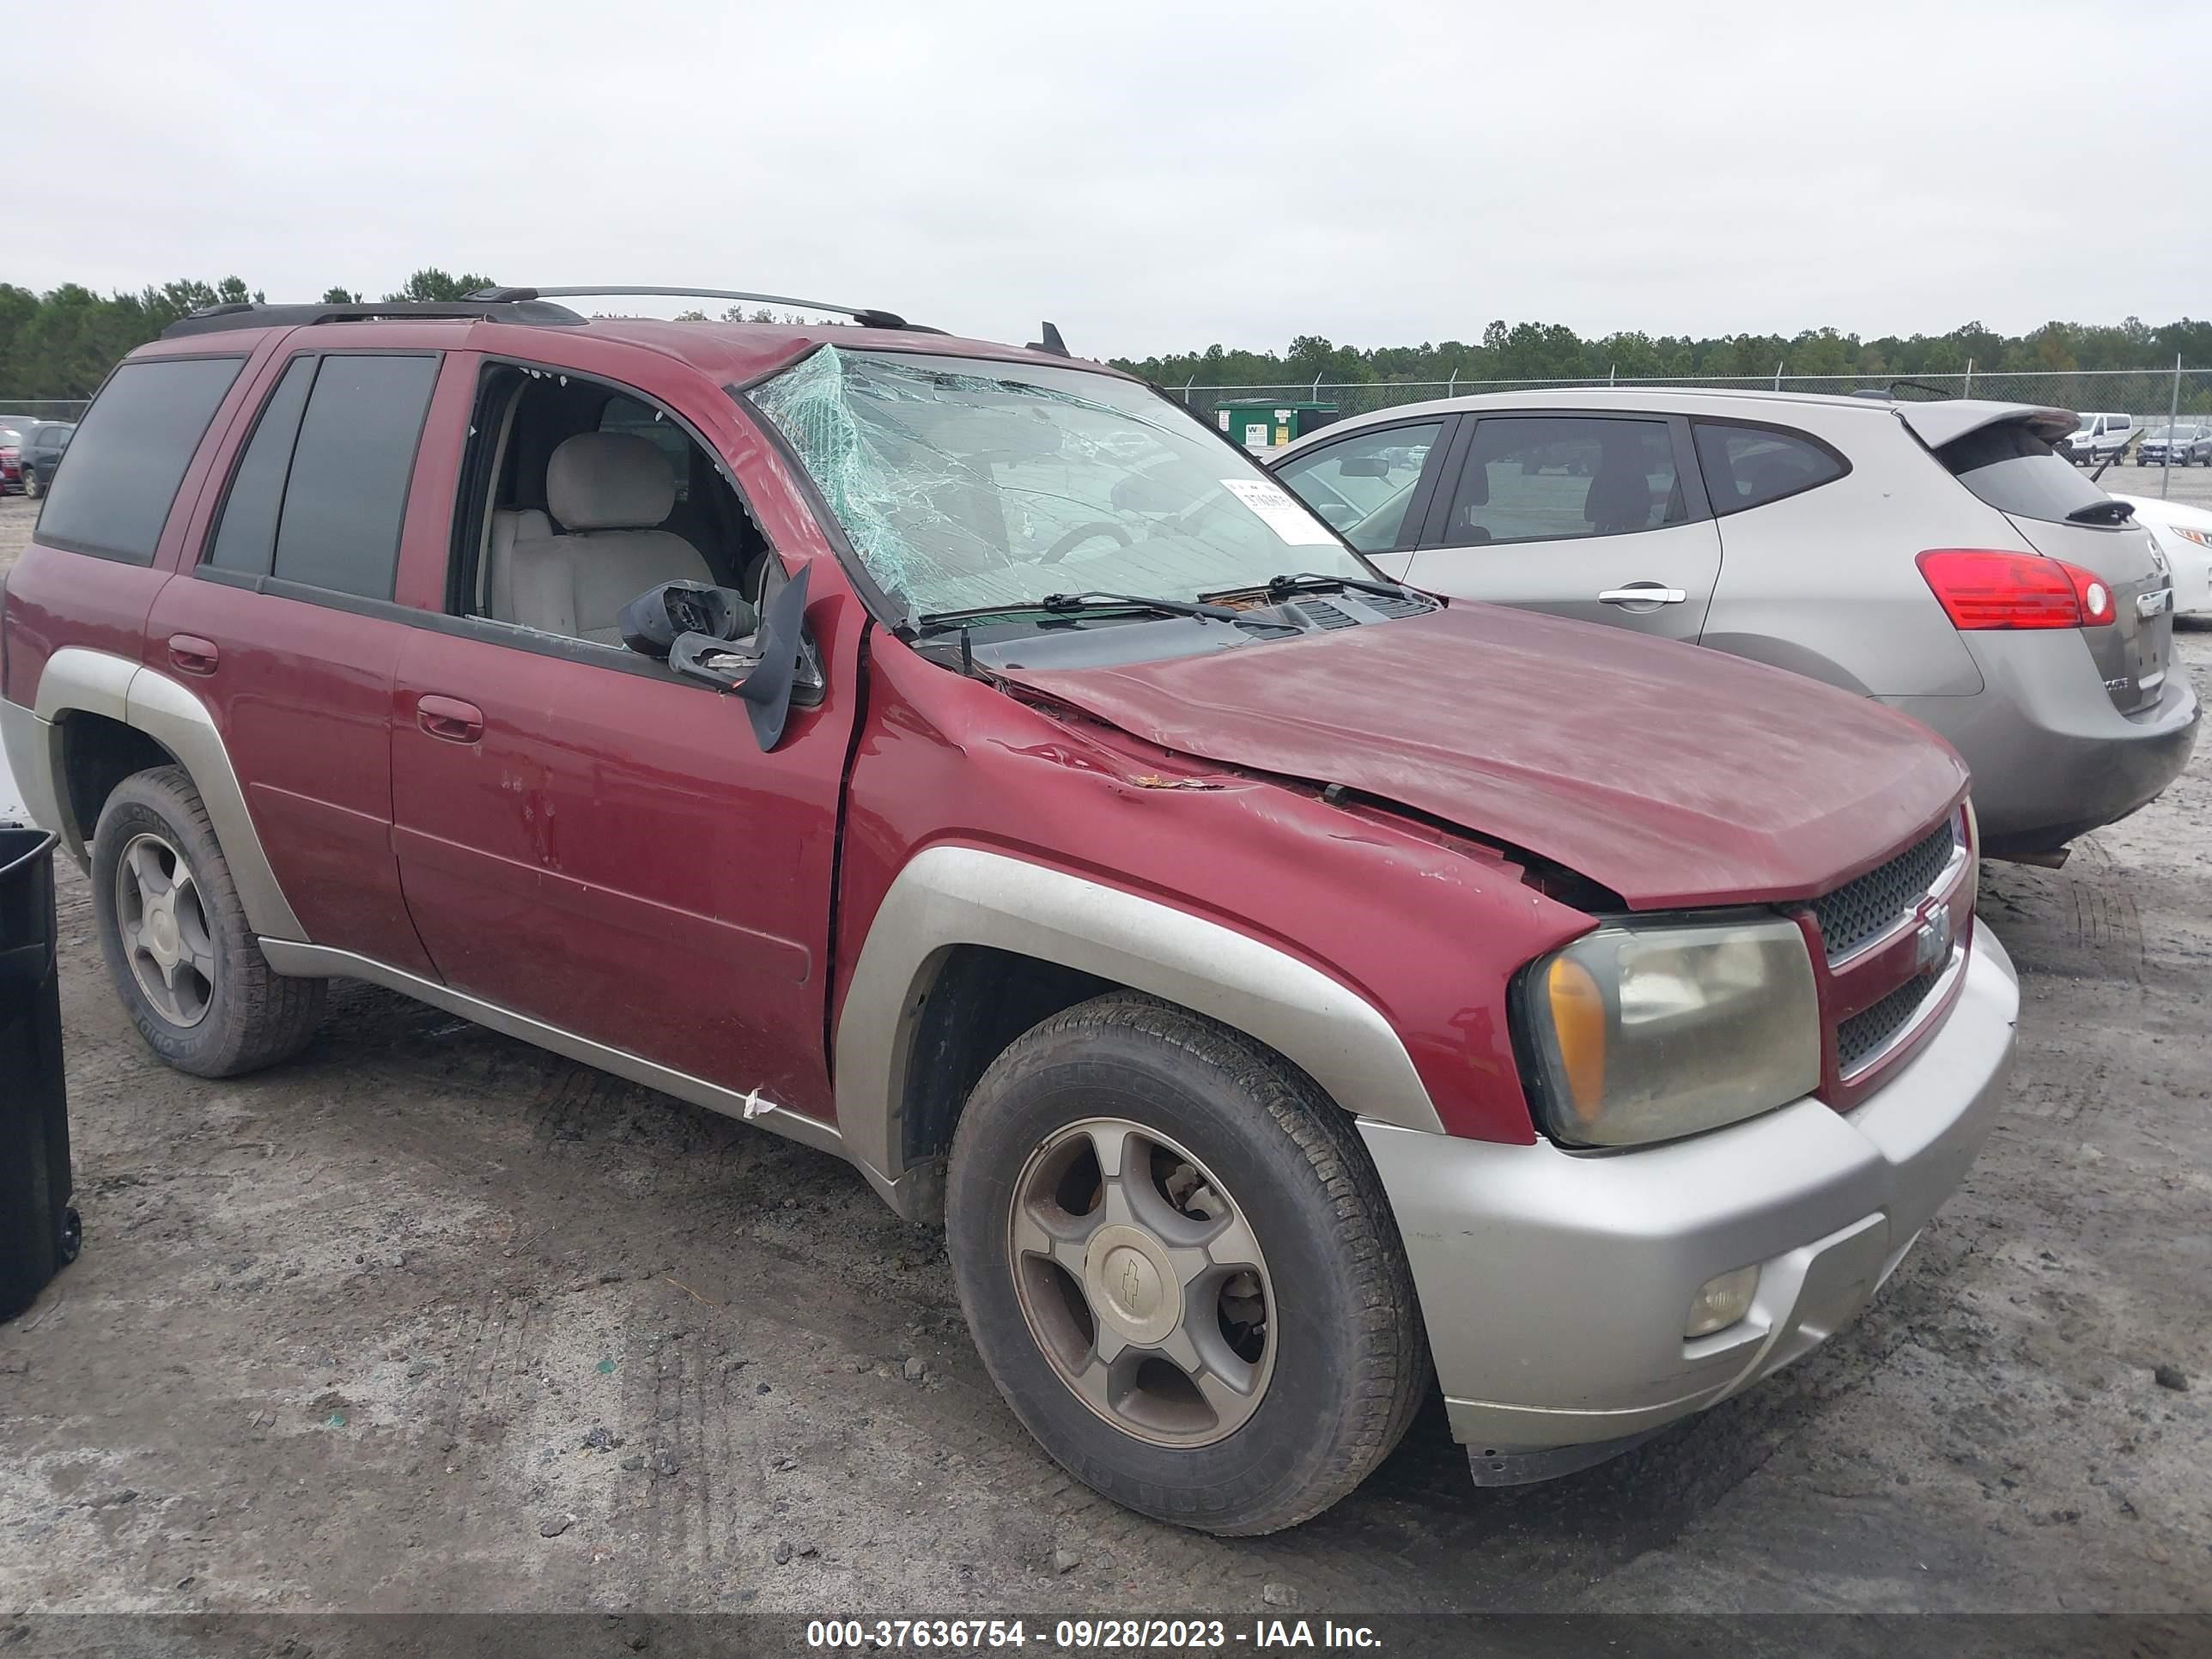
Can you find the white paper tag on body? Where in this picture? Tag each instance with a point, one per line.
(1297, 526)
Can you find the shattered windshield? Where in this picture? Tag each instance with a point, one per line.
(964, 484)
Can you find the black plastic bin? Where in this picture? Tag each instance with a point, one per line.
(39, 1232)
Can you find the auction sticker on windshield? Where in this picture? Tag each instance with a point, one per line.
(1279, 513)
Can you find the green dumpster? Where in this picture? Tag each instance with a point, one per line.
(1269, 425)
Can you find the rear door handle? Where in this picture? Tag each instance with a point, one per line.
(1642, 593)
(190, 654)
(450, 719)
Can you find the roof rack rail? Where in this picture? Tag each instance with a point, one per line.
(216, 319)
(864, 316)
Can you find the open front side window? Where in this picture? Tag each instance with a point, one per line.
(962, 484)
(582, 496)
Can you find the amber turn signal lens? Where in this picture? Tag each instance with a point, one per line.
(1578, 1027)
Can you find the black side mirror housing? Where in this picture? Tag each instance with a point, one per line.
(653, 622)
(770, 672)
(659, 616)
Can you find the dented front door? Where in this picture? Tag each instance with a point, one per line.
(609, 851)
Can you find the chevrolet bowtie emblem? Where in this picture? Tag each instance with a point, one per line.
(1931, 946)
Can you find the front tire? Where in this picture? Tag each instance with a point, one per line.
(31, 487)
(183, 959)
(1181, 1268)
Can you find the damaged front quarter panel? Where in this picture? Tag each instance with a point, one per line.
(1422, 929)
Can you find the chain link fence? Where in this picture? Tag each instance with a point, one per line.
(45, 409)
(2149, 395)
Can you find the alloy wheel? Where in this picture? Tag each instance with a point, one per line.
(1142, 1283)
(164, 925)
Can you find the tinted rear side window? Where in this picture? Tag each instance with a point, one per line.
(130, 453)
(1547, 478)
(248, 534)
(2015, 472)
(347, 493)
(1748, 467)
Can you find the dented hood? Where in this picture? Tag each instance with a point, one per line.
(1673, 775)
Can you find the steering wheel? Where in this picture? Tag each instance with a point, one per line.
(1082, 533)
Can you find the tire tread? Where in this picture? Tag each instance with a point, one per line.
(266, 1017)
(1391, 1369)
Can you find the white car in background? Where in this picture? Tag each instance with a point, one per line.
(2183, 535)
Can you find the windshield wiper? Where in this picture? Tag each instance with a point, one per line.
(2103, 512)
(1065, 604)
(1093, 601)
(1309, 581)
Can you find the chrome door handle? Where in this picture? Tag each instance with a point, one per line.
(1642, 593)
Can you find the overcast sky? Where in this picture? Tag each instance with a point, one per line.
(1151, 177)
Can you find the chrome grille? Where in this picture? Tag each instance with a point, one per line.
(1860, 1037)
(1869, 907)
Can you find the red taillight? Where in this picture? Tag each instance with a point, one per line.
(1983, 590)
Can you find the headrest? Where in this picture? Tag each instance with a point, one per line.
(1620, 491)
(609, 480)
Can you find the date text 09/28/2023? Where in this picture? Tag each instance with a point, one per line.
(1086, 1635)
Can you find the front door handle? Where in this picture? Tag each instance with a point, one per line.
(449, 718)
(1642, 593)
(190, 654)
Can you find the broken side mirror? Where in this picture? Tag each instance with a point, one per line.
(774, 668)
(651, 623)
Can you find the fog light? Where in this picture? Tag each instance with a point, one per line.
(1723, 1299)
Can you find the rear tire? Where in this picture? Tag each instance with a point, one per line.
(187, 967)
(1244, 1210)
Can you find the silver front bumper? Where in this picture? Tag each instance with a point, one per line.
(1555, 1286)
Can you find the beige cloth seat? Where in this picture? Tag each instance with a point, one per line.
(609, 491)
(508, 525)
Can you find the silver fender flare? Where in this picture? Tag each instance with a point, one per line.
(77, 680)
(954, 896)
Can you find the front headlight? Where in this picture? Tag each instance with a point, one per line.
(2202, 538)
(1642, 1032)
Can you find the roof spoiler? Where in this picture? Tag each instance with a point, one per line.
(1937, 424)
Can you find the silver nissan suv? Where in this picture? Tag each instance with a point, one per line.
(1940, 557)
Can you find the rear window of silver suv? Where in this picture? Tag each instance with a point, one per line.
(2017, 472)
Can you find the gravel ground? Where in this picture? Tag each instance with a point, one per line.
(428, 1320)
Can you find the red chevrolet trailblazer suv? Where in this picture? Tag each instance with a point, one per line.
(956, 757)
